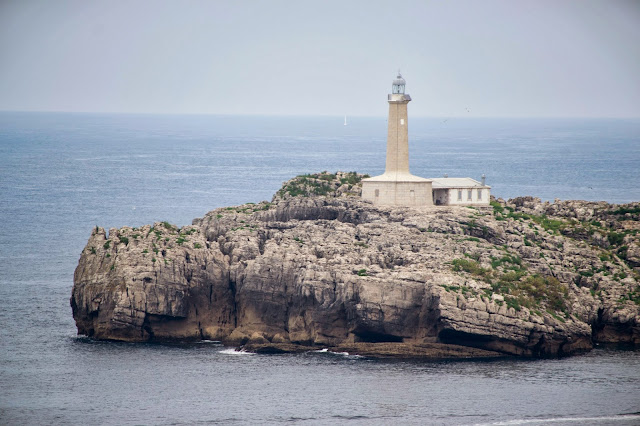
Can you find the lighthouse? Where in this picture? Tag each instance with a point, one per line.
(397, 186)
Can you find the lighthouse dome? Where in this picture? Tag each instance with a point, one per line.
(397, 88)
(399, 80)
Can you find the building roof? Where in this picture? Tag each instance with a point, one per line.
(441, 183)
(399, 80)
(396, 177)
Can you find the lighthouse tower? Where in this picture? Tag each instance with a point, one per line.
(397, 186)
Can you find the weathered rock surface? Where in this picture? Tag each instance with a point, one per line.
(319, 267)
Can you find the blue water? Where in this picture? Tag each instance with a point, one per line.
(62, 174)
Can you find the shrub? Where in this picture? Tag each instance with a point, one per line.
(351, 178)
(470, 266)
(362, 272)
(107, 245)
(615, 238)
(124, 240)
(551, 225)
(497, 207)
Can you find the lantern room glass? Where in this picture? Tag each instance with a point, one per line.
(398, 89)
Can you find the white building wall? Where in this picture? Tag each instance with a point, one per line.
(454, 198)
(388, 193)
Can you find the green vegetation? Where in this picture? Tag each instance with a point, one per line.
(625, 210)
(107, 245)
(634, 296)
(124, 240)
(197, 245)
(145, 251)
(218, 216)
(351, 178)
(497, 207)
(180, 240)
(615, 238)
(305, 185)
(361, 244)
(553, 226)
(508, 262)
(450, 288)
(93, 250)
(298, 240)
(515, 284)
(362, 272)
(153, 260)
(470, 266)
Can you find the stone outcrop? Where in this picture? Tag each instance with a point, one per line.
(318, 267)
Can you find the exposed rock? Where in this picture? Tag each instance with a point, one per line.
(318, 267)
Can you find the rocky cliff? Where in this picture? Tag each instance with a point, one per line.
(318, 267)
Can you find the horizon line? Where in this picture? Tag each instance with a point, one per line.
(255, 114)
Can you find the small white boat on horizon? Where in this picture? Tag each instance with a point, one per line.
(345, 120)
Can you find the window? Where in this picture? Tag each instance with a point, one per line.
(459, 194)
(377, 192)
(469, 194)
(479, 194)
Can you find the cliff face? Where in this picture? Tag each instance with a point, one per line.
(318, 266)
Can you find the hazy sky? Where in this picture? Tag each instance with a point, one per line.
(460, 58)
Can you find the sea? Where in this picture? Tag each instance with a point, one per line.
(61, 174)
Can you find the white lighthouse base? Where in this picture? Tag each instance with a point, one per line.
(397, 190)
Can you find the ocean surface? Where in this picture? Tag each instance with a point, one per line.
(62, 174)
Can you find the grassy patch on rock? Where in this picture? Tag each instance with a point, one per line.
(510, 278)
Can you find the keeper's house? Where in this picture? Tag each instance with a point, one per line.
(460, 192)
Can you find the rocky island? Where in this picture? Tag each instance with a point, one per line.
(317, 267)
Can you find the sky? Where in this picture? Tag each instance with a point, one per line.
(460, 58)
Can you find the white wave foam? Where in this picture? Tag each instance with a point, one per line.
(345, 354)
(232, 351)
(615, 418)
